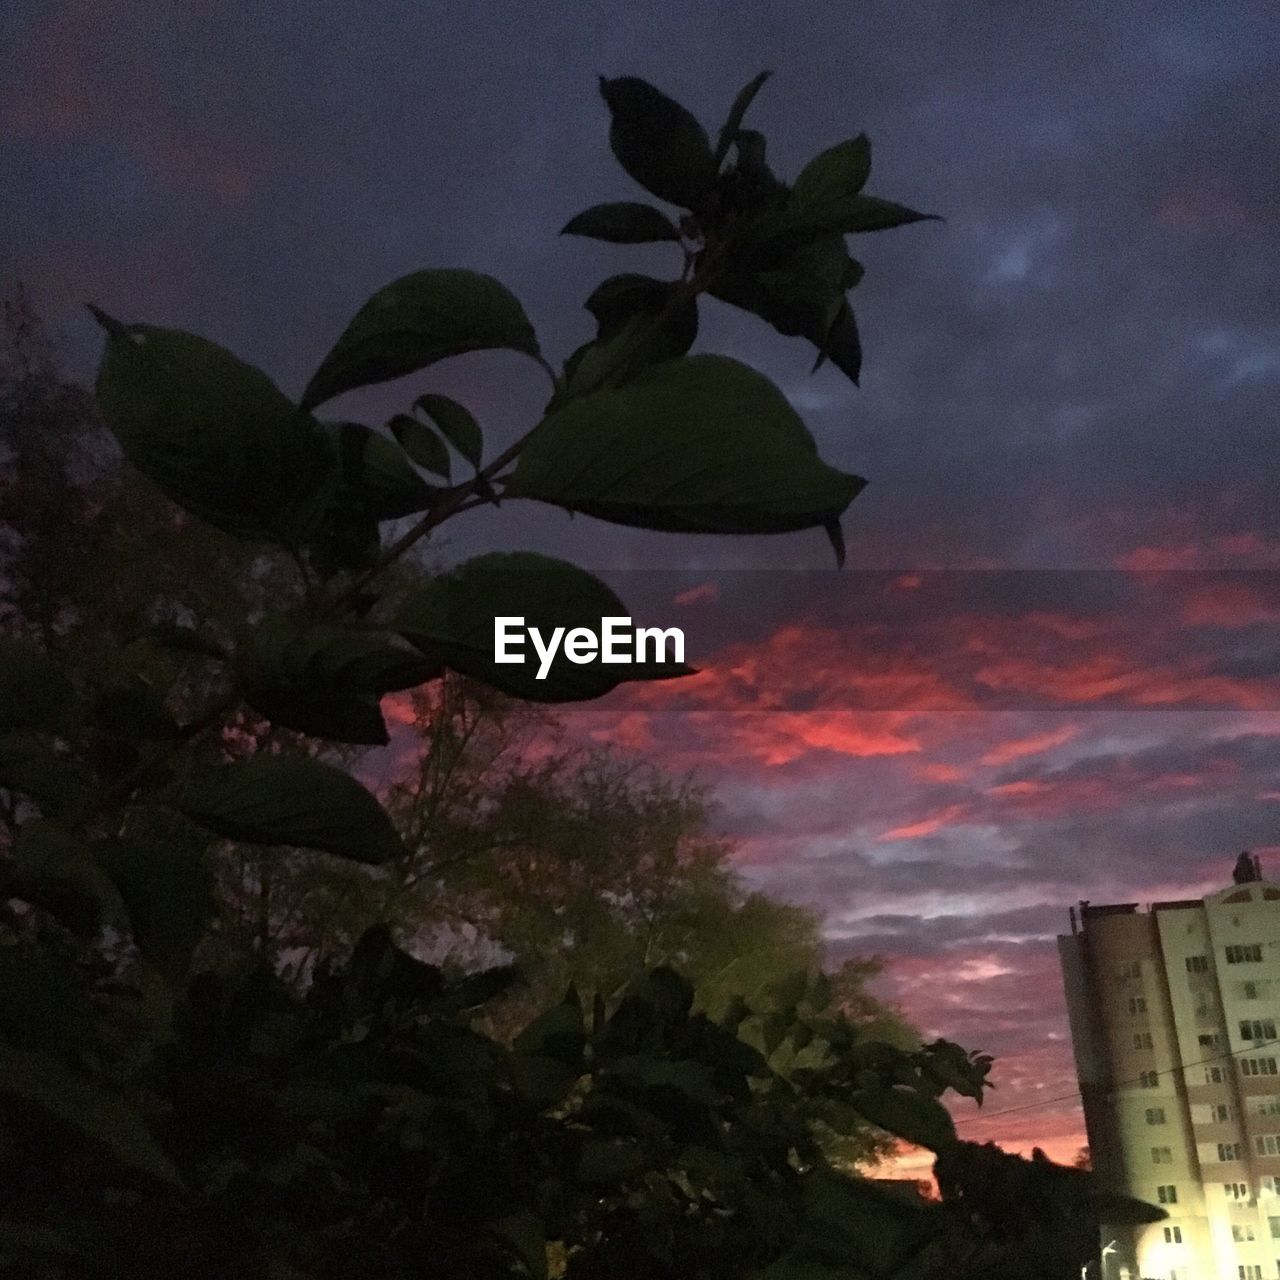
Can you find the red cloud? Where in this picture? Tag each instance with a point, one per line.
(1006, 752)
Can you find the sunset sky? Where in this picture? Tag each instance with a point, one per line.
(1051, 670)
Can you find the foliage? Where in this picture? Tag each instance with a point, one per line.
(159, 1122)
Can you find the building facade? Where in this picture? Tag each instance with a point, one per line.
(1174, 1012)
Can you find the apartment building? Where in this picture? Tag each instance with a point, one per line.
(1174, 1012)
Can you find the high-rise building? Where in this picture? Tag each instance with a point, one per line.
(1174, 1012)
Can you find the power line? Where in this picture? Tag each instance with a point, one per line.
(1120, 1084)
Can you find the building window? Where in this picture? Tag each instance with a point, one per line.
(1213, 1075)
(1173, 1235)
(1221, 1111)
(1142, 1040)
(1169, 1195)
(1138, 1004)
(1236, 1190)
(1230, 1151)
(1258, 1029)
(1155, 1115)
(1267, 1144)
(1241, 1232)
(1274, 1224)
(1249, 990)
(1249, 1271)
(1209, 1041)
(1245, 953)
(1270, 1185)
(1132, 970)
(1197, 964)
(1257, 1066)
(1149, 1079)
(1161, 1155)
(1268, 1106)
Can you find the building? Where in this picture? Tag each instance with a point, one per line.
(1174, 1012)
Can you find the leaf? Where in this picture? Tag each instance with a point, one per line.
(168, 893)
(216, 435)
(456, 424)
(659, 144)
(453, 618)
(291, 800)
(375, 474)
(625, 222)
(56, 783)
(608, 1163)
(559, 1034)
(136, 712)
(327, 680)
(842, 345)
(421, 443)
(523, 1235)
(60, 874)
(183, 639)
(417, 320)
(35, 691)
(835, 534)
(697, 445)
(908, 1114)
(746, 96)
(855, 214)
(837, 174)
(86, 1105)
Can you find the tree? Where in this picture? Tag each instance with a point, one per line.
(155, 1121)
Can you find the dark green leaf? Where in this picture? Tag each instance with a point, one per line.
(215, 434)
(659, 143)
(376, 476)
(625, 222)
(86, 1105)
(416, 321)
(34, 689)
(456, 424)
(856, 214)
(421, 443)
(322, 711)
(290, 800)
(837, 174)
(28, 765)
(559, 1033)
(746, 96)
(609, 1163)
(168, 893)
(523, 1235)
(702, 445)
(60, 874)
(908, 1114)
(453, 616)
(135, 711)
(183, 639)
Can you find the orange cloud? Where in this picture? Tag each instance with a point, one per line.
(1019, 748)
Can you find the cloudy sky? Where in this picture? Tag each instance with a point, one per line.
(1051, 670)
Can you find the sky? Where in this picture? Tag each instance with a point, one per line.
(1049, 671)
